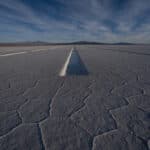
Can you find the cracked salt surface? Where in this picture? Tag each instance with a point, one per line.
(73, 65)
(108, 109)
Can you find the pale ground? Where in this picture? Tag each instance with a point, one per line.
(107, 110)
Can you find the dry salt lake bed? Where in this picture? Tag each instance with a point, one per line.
(107, 109)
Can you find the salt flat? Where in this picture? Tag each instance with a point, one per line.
(108, 109)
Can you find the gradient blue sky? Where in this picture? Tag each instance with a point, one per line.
(75, 20)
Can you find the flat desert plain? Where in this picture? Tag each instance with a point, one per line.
(108, 109)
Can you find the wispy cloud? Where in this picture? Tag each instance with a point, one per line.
(67, 20)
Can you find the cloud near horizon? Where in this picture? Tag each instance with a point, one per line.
(75, 20)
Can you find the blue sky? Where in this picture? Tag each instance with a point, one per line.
(75, 20)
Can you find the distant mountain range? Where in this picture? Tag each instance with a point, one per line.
(40, 43)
